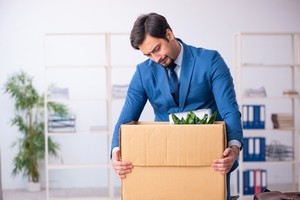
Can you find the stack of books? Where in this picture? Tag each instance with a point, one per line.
(61, 123)
(259, 92)
(119, 91)
(290, 93)
(58, 93)
(282, 120)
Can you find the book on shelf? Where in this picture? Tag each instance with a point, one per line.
(290, 93)
(282, 120)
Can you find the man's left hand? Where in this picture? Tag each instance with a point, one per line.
(223, 165)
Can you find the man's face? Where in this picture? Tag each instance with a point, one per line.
(160, 50)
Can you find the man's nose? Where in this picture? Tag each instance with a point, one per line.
(155, 57)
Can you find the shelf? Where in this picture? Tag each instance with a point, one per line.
(122, 66)
(270, 162)
(92, 102)
(259, 65)
(100, 132)
(266, 33)
(271, 97)
(267, 130)
(76, 166)
(75, 66)
(76, 99)
(277, 56)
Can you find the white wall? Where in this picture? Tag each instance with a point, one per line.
(209, 23)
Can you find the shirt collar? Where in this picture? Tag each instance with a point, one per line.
(178, 60)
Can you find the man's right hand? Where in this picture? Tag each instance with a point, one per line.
(121, 167)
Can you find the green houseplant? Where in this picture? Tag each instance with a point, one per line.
(29, 118)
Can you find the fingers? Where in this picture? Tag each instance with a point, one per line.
(226, 152)
(122, 173)
(224, 165)
(121, 167)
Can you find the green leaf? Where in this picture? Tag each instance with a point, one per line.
(175, 119)
(213, 118)
(192, 118)
(205, 118)
(182, 121)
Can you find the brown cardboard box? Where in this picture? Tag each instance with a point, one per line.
(172, 162)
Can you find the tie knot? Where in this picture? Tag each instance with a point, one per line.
(172, 66)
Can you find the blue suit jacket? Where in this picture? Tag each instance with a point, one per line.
(205, 82)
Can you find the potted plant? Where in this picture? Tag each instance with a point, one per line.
(29, 118)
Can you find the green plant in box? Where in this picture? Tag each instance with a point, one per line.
(192, 118)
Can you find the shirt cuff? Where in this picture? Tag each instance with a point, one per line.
(115, 149)
(235, 143)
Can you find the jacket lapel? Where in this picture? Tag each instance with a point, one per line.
(187, 68)
(161, 78)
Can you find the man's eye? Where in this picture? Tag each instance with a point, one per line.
(156, 49)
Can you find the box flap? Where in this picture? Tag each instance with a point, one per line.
(162, 144)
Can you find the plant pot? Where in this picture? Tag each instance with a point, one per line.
(33, 186)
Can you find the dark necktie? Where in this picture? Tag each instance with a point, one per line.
(173, 82)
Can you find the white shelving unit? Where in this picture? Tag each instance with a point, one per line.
(87, 65)
(270, 60)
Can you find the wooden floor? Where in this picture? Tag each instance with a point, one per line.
(41, 195)
(23, 195)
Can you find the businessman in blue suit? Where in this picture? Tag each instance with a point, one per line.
(204, 82)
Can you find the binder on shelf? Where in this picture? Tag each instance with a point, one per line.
(251, 181)
(248, 182)
(263, 180)
(254, 116)
(254, 181)
(245, 149)
(260, 180)
(248, 149)
(257, 181)
(251, 148)
(260, 149)
(246, 177)
(254, 149)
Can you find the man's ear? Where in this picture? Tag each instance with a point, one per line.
(169, 34)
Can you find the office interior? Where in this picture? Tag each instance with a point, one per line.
(47, 38)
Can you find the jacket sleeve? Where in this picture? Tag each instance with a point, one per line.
(135, 101)
(225, 97)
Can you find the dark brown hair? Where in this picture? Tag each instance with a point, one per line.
(152, 24)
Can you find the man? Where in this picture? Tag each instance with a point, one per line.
(204, 82)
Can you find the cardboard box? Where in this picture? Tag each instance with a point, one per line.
(172, 162)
